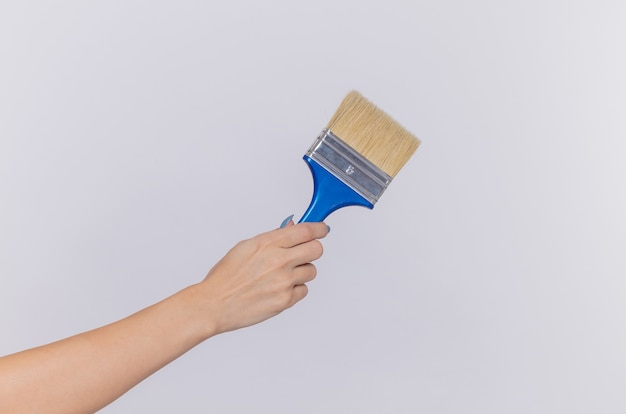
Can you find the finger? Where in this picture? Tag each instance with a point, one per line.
(299, 293)
(304, 253)
(304, 274)
(301, 233)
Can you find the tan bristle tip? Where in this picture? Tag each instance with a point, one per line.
(373, 133)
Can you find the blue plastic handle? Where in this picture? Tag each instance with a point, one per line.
(329, 194)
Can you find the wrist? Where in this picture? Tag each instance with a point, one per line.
(196, 319)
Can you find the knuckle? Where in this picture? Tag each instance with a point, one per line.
(317, 248)
(305, 291)
(307, 231)
(298, 294)
(284, 300)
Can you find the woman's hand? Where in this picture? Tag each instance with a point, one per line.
(262, 276)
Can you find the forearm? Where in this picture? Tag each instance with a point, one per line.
(86, 372)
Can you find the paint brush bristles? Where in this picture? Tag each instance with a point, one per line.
(355, 157)
(373, 134)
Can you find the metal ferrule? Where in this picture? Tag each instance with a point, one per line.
(354, 170)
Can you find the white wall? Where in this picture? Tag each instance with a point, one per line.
(140, 140)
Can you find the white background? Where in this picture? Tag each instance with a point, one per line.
(139, 140)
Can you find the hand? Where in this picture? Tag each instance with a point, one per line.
(262, 276)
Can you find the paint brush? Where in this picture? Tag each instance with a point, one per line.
(355, 157)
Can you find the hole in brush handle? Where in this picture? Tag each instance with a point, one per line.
(329, 194)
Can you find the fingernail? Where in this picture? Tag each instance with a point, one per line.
(328, 227)
(286, 221)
